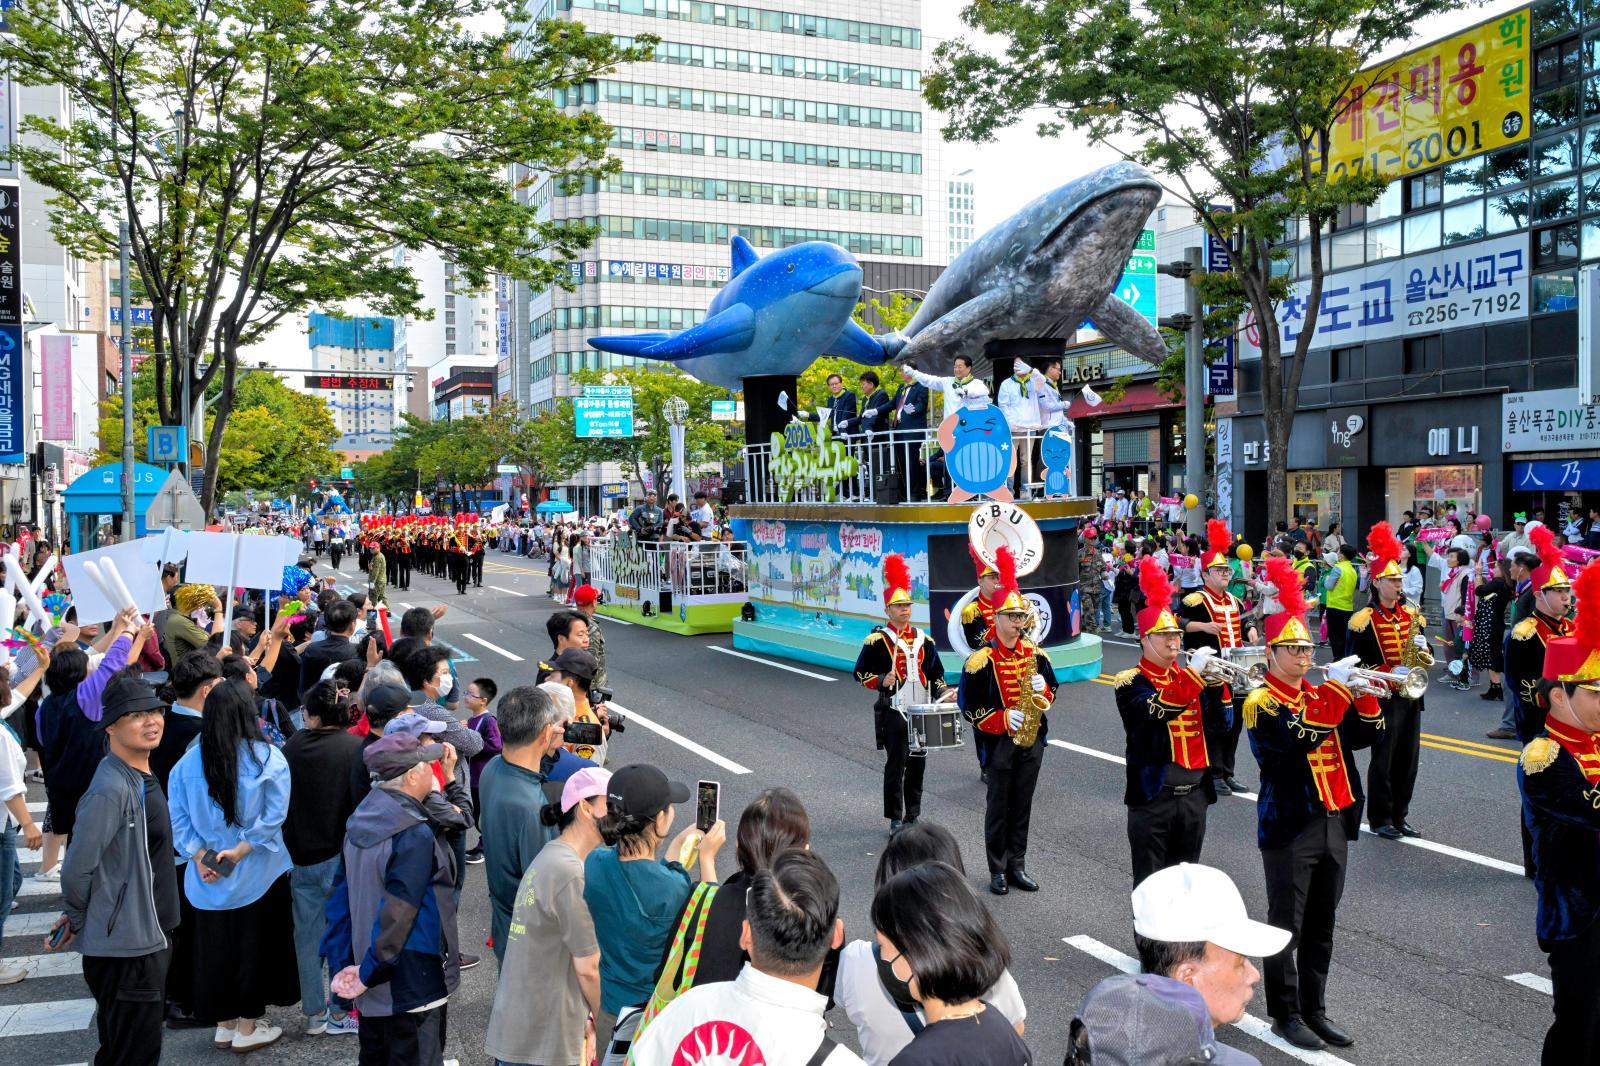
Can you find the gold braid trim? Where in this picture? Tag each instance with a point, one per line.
(1259, 702)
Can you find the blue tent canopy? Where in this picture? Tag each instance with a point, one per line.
(554, 507)
(99, 493)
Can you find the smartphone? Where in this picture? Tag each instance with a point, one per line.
(216, 863)
(58, 934)
(588, 733)
(708, 806)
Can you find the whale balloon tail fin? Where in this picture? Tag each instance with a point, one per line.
(731, 330)
(628, 344)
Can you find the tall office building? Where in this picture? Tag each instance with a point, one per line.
(960, 209)
(783, 125)
(461, 333)
(352, 367)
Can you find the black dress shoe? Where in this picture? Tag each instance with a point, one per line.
(895, 825)
(1299, 1034)
(1235, 785)
(1388, 832)
(1406, 830)
(997, 885)
(178, 1018)
(1221, 785)
(1020, 878)
(1319, 1024)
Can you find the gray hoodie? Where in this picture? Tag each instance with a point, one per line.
(107, 891)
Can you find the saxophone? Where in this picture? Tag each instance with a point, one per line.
(1413, 657)
(1033, 704)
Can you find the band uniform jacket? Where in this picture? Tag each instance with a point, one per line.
(1303, 741)
(989, 687)
(1380, 638)
(1163, 717)
(977, 622)
(880, 657)
(1559, 775)
(1525, 666)
(1227, 611)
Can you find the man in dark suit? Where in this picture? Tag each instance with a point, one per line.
(839, 410)
(876, 407)
(911, 427)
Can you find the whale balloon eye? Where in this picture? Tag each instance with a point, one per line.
(791, 268)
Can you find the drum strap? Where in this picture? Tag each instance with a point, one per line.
(913, 653)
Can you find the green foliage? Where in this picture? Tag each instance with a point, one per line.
(705, 442)
(316, 140)
(893, 316)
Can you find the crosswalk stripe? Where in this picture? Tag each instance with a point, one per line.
(509, 592)
(36, 1019)
(33, 889)
(1533, 981)
(494, 647)
(36, 923)
(55, 964)
(37, 807)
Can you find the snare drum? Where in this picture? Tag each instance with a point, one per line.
(930, 726)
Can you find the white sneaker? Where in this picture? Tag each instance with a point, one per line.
(12, 972)
(264, 1036)
(222, 1039)
(317, 1025)
(50, 876)
(348, 1025)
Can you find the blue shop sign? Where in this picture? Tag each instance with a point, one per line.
(1539, 474)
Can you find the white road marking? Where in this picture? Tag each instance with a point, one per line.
(30, 854)
(36, 923)
(35, 1019)
(37, 808)
(769, 662)
(494, 648)
(32, 889)
(508, 592)
(55, 964)
(619, 621)
(1121, 643)
(1250, 1024)
(1091, 752)
(1533, 981)
(403, 606)
(681, 740)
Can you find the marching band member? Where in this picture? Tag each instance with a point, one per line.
(977, 624)
(1214, 618)
(900, 664)
(1169, 784)
(1004, 684)
(1383, 636)
(1559, 776)
(1525, 652)
(1309, 808)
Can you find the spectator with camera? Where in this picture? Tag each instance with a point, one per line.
(575, 668)
(792, 922)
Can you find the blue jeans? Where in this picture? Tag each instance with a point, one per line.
(1105, 609)
(10, 873)
(310, 887)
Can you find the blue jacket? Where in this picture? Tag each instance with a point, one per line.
(197, 823)
(1561, 809)
(392, 911)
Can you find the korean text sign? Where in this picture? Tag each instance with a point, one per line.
(603, 411)
(1457, 97)
(1548, 420)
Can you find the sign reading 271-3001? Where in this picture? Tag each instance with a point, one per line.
(1457, 97)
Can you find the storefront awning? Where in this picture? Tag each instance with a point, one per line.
(1144, 396)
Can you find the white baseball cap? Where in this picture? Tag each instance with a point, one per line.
(1189, 903)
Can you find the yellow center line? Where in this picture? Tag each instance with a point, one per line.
(1498, 749)
(1469, 751)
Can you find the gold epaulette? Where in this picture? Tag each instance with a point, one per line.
(969, 612)
(1361, 619)
(978, 660)
(1261, 701)
(1124, 678)
(1539, 754)
(875, 637)
(1526, 629)
(1194, 599)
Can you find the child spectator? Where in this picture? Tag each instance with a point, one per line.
(480, 694)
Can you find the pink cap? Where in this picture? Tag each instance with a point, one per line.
(590, 781)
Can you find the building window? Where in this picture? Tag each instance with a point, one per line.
(1383, 242)
(1508, 167)
(1348, 249)
(1555, 155)
(1463, 222)
(1424, 190)
(1423, 354)
(1557, 291)
(1508, 212)
(1555, 199)
(1552, 18)
(1591, 238)
(1390, 203)
(1421, 232)
(1556, 244)
(1555, 108)
(1464, 178)
(1344, 365)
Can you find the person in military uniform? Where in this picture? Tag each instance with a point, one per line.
(1214, 618)
(1309, 808)
(977, 625)
(378, 577)
(1091, 574)
(1559, 777)
(1525, 651)
(899, 663)
(1160, 702)
(1383, 636)
(998, 681)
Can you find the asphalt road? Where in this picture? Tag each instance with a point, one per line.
(1435, 959)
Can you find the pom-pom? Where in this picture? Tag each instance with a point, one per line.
(1217, 535)
(896, 575)
(1384, 546)
(295, 578)
(1154, 583)
(1543, 539)
(1586, 627)
(1291, 587)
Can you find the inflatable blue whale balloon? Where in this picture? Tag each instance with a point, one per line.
(776, 315)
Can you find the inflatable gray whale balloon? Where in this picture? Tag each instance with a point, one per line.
(1040, 273)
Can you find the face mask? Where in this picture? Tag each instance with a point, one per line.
(899, 991)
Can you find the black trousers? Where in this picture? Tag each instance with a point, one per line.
(1392, 774)
(477, 569)
(1305, 880)
(1125, 610)
(1222, 745)
(413, 1039)
(1574, 1037)
(1338, 630)
(459, 572)
(1166, 831)
(128, 1007)
(902, 771)
(1012, 777)
(335, 553)
(402, 571)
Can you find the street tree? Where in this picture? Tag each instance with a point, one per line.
(272, 157)
(650, 449)
(1228, 103)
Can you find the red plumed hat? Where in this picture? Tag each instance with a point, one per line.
(896, 580)
(1011, 598)
(1288, 626)
(1220, 542)
(983, 568)
(1157, 616)
(1384, 547)
(1576, 658)
(1551, 574)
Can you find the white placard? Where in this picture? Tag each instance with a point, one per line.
(142, 577)
(1549, 420)
(1466, 285)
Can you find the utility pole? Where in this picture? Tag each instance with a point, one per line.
(129, 519)
(1191, 323)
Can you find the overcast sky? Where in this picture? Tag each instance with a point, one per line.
(1019, 165)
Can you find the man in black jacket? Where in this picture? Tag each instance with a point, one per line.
(336, 647)
(876, 406)
(839, 410)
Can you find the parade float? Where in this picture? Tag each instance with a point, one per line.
(821, 508)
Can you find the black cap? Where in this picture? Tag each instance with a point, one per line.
(642, 791)
(386, 700)
(577, 662)
(128, 695)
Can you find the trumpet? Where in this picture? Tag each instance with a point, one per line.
(1247, 671)
(1380, 683)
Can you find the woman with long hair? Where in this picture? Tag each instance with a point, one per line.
(229, 796)
(1487, 653)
